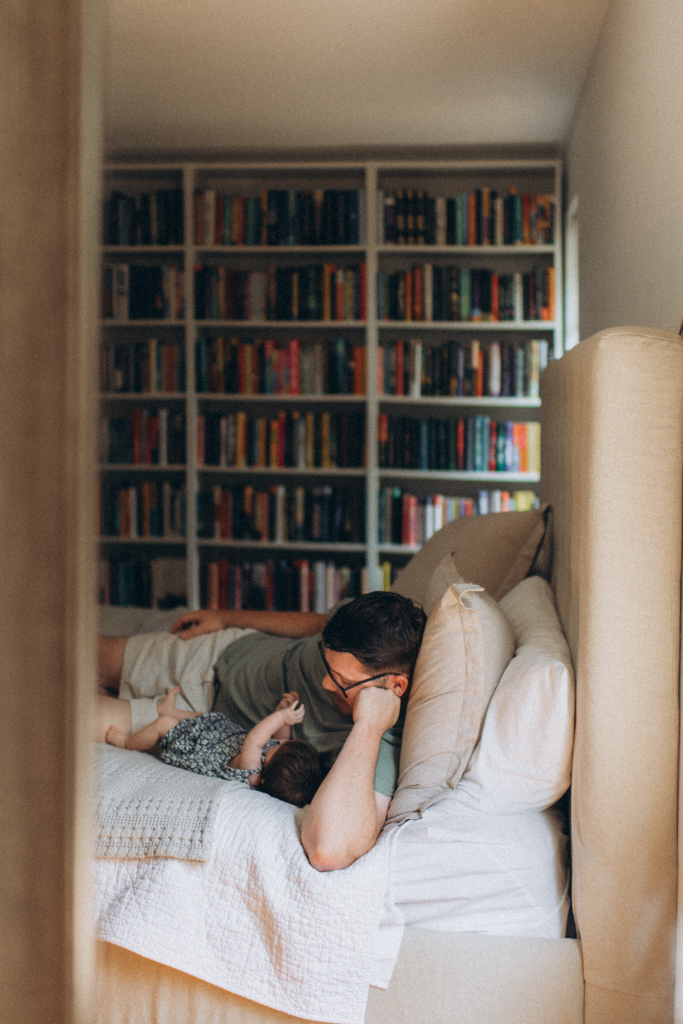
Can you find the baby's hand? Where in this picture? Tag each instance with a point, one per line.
(288, 700)
(292, 714)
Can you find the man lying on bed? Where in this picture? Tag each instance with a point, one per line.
(351, 678)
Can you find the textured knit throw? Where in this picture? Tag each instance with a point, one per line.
(149, 809)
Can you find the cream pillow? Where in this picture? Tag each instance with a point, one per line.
(523, 760)
(495, 551)
(467, 644)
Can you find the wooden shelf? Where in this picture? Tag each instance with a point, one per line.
(439, 177)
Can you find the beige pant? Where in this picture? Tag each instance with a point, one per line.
(154, 662)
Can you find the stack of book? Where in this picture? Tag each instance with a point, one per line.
(279, 217)
(301, 440)
(148, 218)
(321, 291)
(469, 444)
(481, 217)
(432, 292)
(280, 514)
(411, 519)
(498, 369)
(134, 292)
(143, 438)
(285, 585)
(143, 583)
(245, 366)
(146, 367)
(146, 509)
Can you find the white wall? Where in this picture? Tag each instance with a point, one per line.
(625, 163)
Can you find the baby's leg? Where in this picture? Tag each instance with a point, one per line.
(167, 707)
(111, 711)
(145, 739)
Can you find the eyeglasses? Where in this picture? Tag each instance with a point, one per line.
(345, 689)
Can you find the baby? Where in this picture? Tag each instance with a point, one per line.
(210, 744)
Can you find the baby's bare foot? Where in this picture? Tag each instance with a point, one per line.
(167, 705)
(116, 736)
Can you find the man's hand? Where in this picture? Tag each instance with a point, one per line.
(377, 706)
(195, 623)
(346, 814)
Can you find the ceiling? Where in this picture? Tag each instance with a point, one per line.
(185, 77)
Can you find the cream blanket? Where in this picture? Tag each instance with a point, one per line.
(146, 808)
(251, 916)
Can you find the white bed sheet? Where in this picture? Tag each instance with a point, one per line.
(455, 869)
(254, 918)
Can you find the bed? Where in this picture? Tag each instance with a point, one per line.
(612, 475)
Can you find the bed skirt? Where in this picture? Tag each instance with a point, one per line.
(440, 978)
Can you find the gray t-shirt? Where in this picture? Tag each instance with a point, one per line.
(256, 670)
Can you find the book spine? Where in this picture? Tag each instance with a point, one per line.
(400, 368)
(294, 366)
(428, 291)
(494, 380)
(416, 361)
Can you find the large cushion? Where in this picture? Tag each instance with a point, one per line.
(496, 551)
(523, 760)
(466, 646)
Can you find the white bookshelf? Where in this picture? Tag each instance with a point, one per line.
(371, 178)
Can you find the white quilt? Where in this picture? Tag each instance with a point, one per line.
(254, 918)
(146, 808)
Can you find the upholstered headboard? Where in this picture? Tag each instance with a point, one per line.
(612, 469)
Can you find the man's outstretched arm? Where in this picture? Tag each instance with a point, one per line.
(347, 815)
(279, 623)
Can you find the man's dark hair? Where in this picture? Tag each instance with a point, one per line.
(382, 630)
(293, 773)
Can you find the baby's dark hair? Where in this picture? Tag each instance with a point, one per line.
(293, 773)
(381, 629)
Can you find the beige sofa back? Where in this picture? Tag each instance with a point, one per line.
(612, 436)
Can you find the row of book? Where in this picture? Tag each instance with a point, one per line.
(431, 292)
(279, 217)
(469, 444)
(310, 440)
(329, 217)
(302, 440)
(146, 509)
(467, 369)
(326, 514)
(481, 217)
(328, 292)
(246, 366)
(142, 583)
(150, 367)
(411, 519)
(143, 437)
(144, 218)
(132, 291)
(322, 291)
(285, 585)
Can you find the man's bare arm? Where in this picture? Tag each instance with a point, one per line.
(292, 624)
(346, 814)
